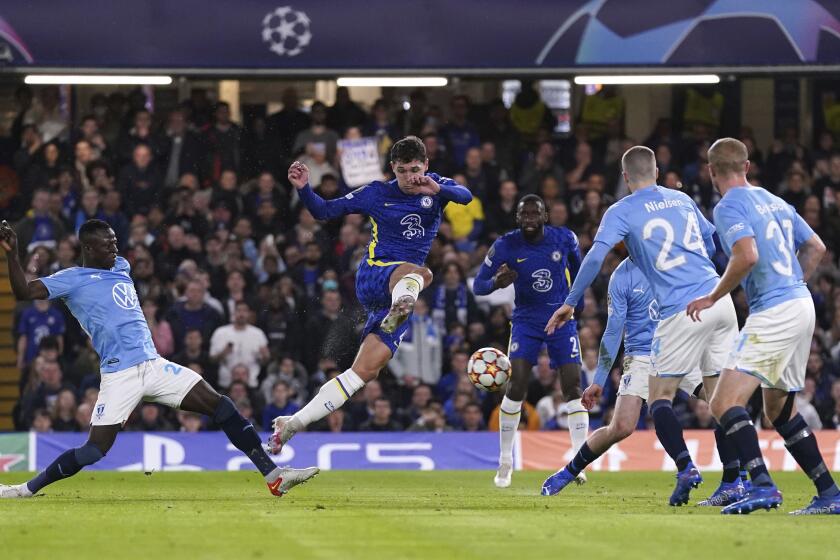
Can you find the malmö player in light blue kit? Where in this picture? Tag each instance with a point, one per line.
(101, 295)
(772, 252)
(632, 312)
(670, 241)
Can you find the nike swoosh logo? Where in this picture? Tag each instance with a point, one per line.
(96, 276)
(275, 485)
(389, 204)
(522, 260)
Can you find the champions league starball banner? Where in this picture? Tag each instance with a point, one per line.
(469, 35)
(177, 451)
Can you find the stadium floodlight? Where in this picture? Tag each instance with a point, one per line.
(420, 81)
(92, 79)
(647, 79)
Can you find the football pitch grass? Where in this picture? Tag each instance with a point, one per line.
(391, 514)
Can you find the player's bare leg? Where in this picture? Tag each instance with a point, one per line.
(203, 399)
(405, 285)
(509, 413)
(625, 418)
(578, 415)
(373, 355)
(100, 440)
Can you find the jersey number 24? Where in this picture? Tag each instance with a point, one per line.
(692, 240)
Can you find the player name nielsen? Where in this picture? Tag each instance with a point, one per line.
(662, 205)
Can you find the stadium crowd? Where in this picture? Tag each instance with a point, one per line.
(241, 284)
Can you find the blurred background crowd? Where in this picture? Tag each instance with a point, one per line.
(241, 284)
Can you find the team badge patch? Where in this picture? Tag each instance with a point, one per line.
(426, 202)
(556, 256)
(100, 410)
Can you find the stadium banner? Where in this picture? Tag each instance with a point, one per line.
(643, 452)
(177, 451)
(14, 452)
(360, 163)
(470, 35)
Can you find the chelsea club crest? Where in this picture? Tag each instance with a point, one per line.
(426, 202)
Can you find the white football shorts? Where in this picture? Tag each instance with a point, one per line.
(774, 345)
(157, 380)
(681, 345)
(637, 370)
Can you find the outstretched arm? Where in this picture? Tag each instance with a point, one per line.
(810, 254)
(611, 340)
(321, 209)
(23, 290)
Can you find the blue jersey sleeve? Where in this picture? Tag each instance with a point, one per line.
(589, 269)
(614, 226)
(732, 223)
(802, 232)
(452, 191)
(351, 203)
(611, 339)
(61, 283)
(484, 283)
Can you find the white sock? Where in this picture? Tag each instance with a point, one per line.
(509, 413)
(330, 397)
(408, 285)
(578, 424)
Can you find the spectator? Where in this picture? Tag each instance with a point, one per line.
(318, 134)
(329, 333)
(239, 343)
(280, 405)
(344, 113)
(451, 301)
(42, 422)
(37, 321)
(419, 357)
(283, 126)
(181, 150)
(380, 420)
(472, 420)
(221, 143)
(64, 413)
(140, 182)
(39, 228)
(193, 313)
(151, 419)
(543, 164)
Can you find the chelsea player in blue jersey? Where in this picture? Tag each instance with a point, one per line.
(772, 252)
(540, 261)
(405, 214)
(101, 295)
(671, 242)
(632, 312)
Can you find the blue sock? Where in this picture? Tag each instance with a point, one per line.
(243, 435)
(670, 432)
(67, 464)
(583, 457)
(739, 429)
(802, 444)
(728, 456)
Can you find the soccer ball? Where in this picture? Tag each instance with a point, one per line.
(286, 31)
(489, 369)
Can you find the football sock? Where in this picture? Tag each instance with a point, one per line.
(728, 456)
(509, 413)
(331, 396)
(739, 429)
(582, 458)
(408, 285)
(578, 424)
(670, 432)
(67, 464)
(802, 444)
(744, 476)
(243, 436)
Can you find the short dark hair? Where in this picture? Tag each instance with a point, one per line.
(531, 198)
(93, 227)
(408, 149)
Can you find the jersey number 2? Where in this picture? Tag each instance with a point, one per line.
(692, 240)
